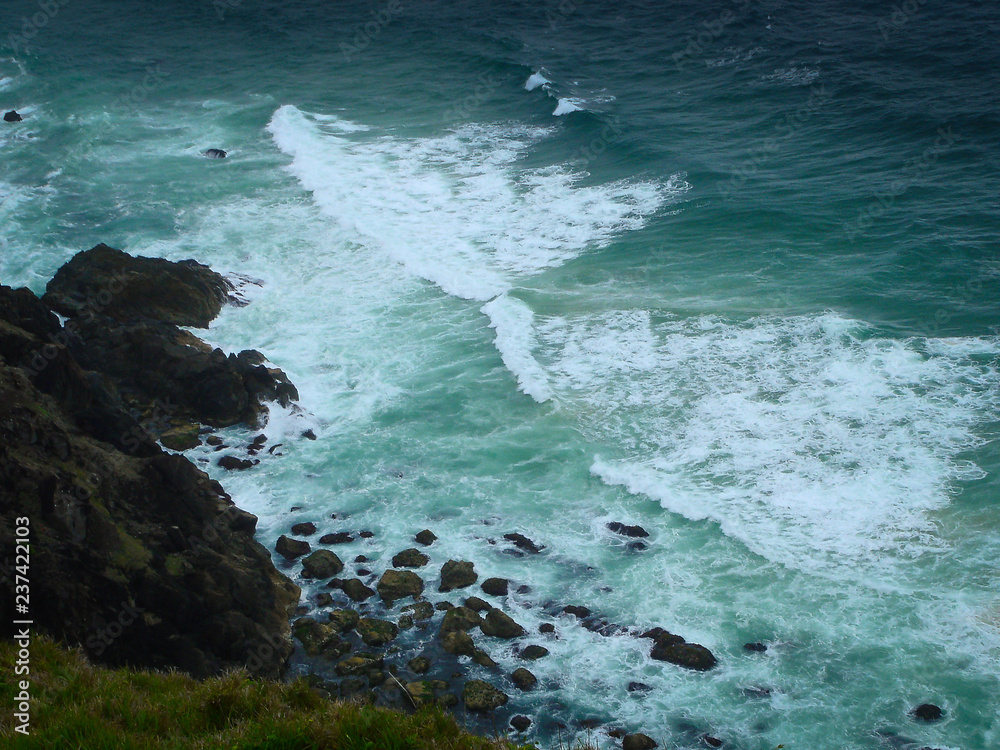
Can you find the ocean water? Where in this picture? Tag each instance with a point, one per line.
(727, 271)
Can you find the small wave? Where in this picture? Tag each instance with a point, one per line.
(567, 105)
(793, 76)
(534, 81)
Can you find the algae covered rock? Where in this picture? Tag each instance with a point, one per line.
(322, 564)
(291, 548)
(501, 625)
(482, 697)
(457, 574)
(410, 558)
(376, 632)
(688, 655)
(398, 584)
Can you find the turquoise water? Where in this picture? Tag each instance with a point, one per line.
(742, 290)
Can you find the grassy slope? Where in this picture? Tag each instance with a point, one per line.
(77, 705)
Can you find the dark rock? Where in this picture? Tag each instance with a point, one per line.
(341, 537)
(319, 639)
(636, 546)
(213, 440)
(363, 572)
(458, 642)
(376, 632)
(495, 586)
(405, 622)
(398, 584)
(483, 659)
(481, 697)
(523, 679)
(546, 627)
(309, 435)
(637, 742)
(477, 605)
(444, 606)
(343, 620)
(711, 741)
(215, 153)
(928, 712)
(422, 610)
(360, 559)
(523, 543)
(358, 665)
(460, 618)
(425, 537)
(291, 548)
(520, 723)
(410, 558)
(366, 534)
(323, 599)
(501, 625)
(523, 589)
(532, 653)
(322, 564)
(181, 438)
(629, 531)
(304, 529)
(11, 116)
(639, 687)
(419, 665)
(755, 647)
(580, 612)
(662, 637)
(457, 574)
(688, 655)
(232, 462)
(357, 590)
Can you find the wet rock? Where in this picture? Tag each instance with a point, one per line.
(928, 712)
(523, 543)
(322, 564)
(546, 627)
(358, 665)
(361, 559)
(323, 599)
(422, 610)
(711, 741)
(357, 590)
(213, 440)
(520, 723)
(460, 618)
(662, 637)
(366, 534)
(232, 463)
(376, 632)
(425, 537)
(419, 665)
(523, 679)
(309, 435)
(319, 639)
(638, 687)
(495, 586)
(343, 620)
(398, 584)
(420, 692)
(636, 546)
(688, 655)
(483, 659)
(457, 574)
(181, 438)
(410, 558)
(11, 116)
(501, 625)
(340, 537)
(458, 642)
(523, 589)
(291, 548)
(625, 530)
(304, 529)
(444, 606)
(481, 697)
(405, 622)
(755, 647)
(477, 605)
(579, 612)
(215, 153)
(637, 742)
(362, 572)
(533, 653)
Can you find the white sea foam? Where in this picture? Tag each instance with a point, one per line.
(567, 105)
(535, 80)
(511, 319)
(453, 209)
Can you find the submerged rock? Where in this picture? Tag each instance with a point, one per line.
(625, 530)
(928, 712)
(215, 153)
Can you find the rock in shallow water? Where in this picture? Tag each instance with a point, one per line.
(322, 564)
(457, 574)
(638, 741)
(687, 655)
(291, 548)
(501, 625)
(482, 697)
(12, 116)
(398, 584)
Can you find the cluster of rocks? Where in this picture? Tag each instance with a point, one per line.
(361, 649)
(137, 556)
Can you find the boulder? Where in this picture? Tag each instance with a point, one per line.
(425, 537)
(928, 712)
(343, 620)
(232, 463)
(376, 632)
(483, 659)
(11, 116)
(520, 722)
(291, 548)
(495, 586)
(356, 590)
(358, 665)
(460, 618)
(625, 530)
(215, 153)
(307, 528)
(419, 665)
(662, 637)
(755, 647)
(639, 687)
(422, 610)
(410, 558)
(319, 639)
(398, 584)
(458, 642)
(523, 679)
(501, 625)
(638, 742)
(456, 574)
(688, 655)
(578, 612)
(322, 564)
(340, 537)
(481, 697)
(477, 605)
(523, 543)
(532, 653)
(181, 438)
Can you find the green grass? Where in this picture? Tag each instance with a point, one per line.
(78, 706)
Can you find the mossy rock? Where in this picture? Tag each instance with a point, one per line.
(398, 584)
(182, 438)
(322, 564)
(356, 589)
(457, 574)
(458, 642)
(376, 632)
(501, 625)
(410, 558)
(422, 610)
(482, 697)
(343, 620)
(523, 679)
(460, 618)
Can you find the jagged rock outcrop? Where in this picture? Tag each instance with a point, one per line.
(137, 556)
